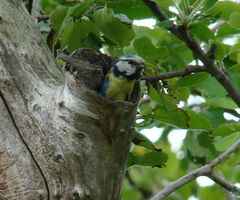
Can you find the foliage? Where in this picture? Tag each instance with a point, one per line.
(108, 25)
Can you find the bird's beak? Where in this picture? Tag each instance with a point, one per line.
(141, 66)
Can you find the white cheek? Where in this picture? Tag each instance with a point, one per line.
(124, 66)
(130, 71)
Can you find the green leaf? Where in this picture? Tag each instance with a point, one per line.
(214, 115)
(224, 9)
(229, 63)
(150, 159)
(234, 20)
(134, 9)
(180, 93)
(112, 28)
(143, 141)
(201, 31)
(156, 35)
(47, 6)
(199, 146)
(179, 53)
(226, 31)
(221, 102)
(132, 160)
(165, 24)
(58, 17)
(235, 48)
(79, 9)
(175, 118)
(69, 3)
(235, 68)
(154, 94)
(170, 114)
(196, 121)
(130, 194)
(213, 88)
(148, 51)
(193, 79)
(234, 53)
(146, 108)
(226, 142)
(235, 79)
(93, 41)
(226, 129)
(154, 159)
(212, 191)
(113, 50)
(221, 51)
(75, 34)
(71, 34)
(208, 4)
(164, 5)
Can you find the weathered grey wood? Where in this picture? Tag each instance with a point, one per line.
(19, 174)
(74, 141)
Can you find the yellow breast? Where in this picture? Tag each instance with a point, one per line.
(119, 88)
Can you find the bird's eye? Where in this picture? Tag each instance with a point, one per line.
(130, 62)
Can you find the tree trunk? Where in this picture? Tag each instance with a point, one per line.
(58, 139)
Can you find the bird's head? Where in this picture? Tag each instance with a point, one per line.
(130, 66)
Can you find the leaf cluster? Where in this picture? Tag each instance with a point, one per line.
(196, 103)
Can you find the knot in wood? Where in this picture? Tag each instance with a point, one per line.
(58, 157)
(80, 194)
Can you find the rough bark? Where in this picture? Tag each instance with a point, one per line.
(58, 139)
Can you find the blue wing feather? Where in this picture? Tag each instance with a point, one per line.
(104, 87)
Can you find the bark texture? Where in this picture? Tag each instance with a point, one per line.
(58, 139)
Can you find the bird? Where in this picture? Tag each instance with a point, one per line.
(119, 82)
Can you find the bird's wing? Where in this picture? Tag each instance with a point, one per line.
(104, 86)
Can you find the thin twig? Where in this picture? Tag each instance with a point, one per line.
(232, 190)
(222, 182)
(160, 15)
(182, 33)
(205, 170)
(188, 71)
(224, 155)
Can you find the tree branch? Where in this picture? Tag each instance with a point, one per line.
(188, 71)
(224, 155)
(182, 33)
(160, 15)
(222, 182)
(205, 170)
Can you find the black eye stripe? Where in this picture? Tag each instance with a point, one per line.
(131, 62)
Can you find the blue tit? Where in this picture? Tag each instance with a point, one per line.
(121, 79)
